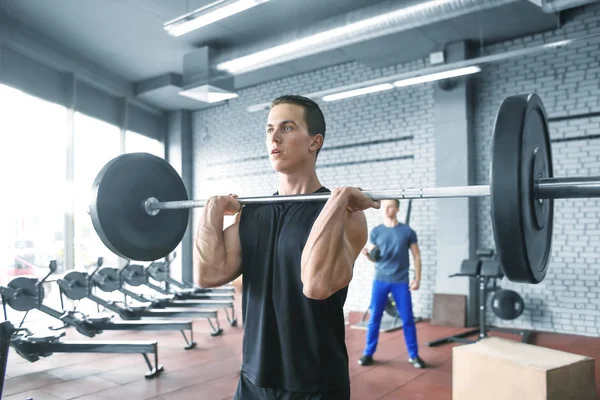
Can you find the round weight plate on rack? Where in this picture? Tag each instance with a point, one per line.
(158, 271)
(107, 279)
(521, 154)
(75, 285)
(27, 296)
(134, 275)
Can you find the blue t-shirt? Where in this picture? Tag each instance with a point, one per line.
(393, 244)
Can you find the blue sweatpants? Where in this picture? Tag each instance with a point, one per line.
(403, 299)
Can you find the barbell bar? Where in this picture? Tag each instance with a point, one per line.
(548, 188)
(133, 192)
(153, 206)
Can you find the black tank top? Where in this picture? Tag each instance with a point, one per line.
(290, 342)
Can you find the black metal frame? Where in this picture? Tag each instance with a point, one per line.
(131, 313)
(223, 301)
(6, 331)
(486, 271)
(90, 326)
(31, 348)
(183, 295)
(180, 285)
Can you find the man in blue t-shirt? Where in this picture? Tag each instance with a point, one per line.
(388, 248)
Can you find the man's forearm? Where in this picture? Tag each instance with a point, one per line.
(209, 245)
(325, 259)
(418, 268)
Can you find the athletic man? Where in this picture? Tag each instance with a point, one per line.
(296, 259)
(388, 248)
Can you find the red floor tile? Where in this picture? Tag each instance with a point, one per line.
(211, 371)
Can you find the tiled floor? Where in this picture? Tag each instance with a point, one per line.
(211, 370)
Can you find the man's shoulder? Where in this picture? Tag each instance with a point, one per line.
(407, 228)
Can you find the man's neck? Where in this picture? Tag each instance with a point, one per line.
(390, 222)
(301, 182)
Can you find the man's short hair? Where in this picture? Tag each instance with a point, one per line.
(395, 201)
(313, 116)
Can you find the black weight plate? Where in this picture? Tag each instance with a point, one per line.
(75, 285)
(134, 275)
(27, 298)
(107, 279)
(119, 192)
(390, 307)
(521, 154)
(158, 271)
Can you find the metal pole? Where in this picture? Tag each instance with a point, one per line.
(568, 188)
(547, 188)
(152, 205)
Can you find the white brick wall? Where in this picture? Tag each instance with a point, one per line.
(567, 81)
(230, 153)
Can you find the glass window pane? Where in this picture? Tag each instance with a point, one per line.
(34, 188)
(134, 143)
(137, 143)
(96, 143)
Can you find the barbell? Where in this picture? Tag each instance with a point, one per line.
(140, 206)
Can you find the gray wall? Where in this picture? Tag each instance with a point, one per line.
(229, 156)
(378, 141)
(567, 80)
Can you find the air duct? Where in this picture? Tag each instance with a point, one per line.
(200, 80)
(357, 26)
(551, 6)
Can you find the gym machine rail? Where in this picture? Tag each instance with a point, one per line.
(77, 285)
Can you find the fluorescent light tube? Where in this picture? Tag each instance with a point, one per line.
(402, 83)
(334, 38)
(358, 92)
(438, 76)
(199, 18)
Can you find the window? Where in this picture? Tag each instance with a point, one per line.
(34, 187)
(95, 144)
(137, 143)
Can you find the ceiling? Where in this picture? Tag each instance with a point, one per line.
(127, 38)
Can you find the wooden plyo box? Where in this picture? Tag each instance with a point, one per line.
(502, 369)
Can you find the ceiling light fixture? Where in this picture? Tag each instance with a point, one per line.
(208, 14)
(208, 94)
(386, 23)
(453, 73)
(358, 92)
(458, 65)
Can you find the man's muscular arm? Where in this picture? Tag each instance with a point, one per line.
(218, 252)
(335, 241)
